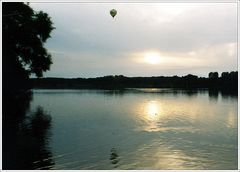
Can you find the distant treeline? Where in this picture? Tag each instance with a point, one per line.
(227, 81)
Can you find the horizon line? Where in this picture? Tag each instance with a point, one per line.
(114, 75)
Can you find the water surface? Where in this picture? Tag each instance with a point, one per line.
(134, 129)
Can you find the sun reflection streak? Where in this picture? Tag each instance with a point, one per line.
(161, 115)
(153, 109)
(152, 115)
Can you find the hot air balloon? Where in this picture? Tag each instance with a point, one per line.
(113, 12)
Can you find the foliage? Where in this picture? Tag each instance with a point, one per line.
(24, 34)
(213, 75)
(229, 82)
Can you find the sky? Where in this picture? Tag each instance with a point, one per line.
(143, 39)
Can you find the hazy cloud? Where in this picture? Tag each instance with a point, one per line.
(190, 38)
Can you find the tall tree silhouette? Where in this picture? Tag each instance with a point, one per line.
(24, 34)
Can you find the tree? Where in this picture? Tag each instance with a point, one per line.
(24, 34)
(213, 75)
(224, 75)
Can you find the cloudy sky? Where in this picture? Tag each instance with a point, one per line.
(144, 39)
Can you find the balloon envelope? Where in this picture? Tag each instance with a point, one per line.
(113, 12)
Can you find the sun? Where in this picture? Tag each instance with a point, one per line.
(152, 58)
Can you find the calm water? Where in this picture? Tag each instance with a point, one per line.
(133, 129)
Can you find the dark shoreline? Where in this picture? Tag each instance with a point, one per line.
(120, 82)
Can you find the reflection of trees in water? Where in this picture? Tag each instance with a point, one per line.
(25, 138)
(119, 92)
(233, 94)
(114, 158)
(37, 135)
(225, 94)
(213, 95)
